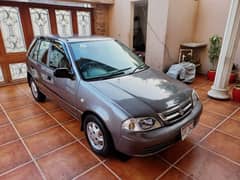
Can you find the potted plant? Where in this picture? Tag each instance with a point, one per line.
(213, 55)
(236, 92)
(233, 75)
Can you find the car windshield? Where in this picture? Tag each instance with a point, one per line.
(104, 59)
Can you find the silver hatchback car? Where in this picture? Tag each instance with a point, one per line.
(122, 103)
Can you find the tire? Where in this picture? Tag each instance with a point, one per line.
(103, 142)
(38, 96)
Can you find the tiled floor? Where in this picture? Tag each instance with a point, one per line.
(41, 141)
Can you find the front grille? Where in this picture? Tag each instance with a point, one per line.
(177, 112)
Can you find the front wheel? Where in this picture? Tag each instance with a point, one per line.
(97, 135)
(38, 96)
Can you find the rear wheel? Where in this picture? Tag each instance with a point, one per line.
(38, 96)
(97, 135)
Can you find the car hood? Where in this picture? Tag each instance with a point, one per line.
(143, 93)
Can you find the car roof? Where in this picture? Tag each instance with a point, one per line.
(75, 38)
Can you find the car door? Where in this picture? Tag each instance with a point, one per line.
(65, 88)
(46, 80)
(32, 63)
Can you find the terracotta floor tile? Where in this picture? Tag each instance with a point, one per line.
(27, 172)
(199, 81)
(231, 127)
(74, 128)
(223, 144)
(48, 140)
(198, 133)
(204, 165)
(25, 87)
(28, 92)
(12, 155)
(18, 101)
(211, 119)
(173, 153)
(231, 103)
(236, 116)
(85, 142)
(194, 85)
(9, 92)
(174, 174)
(138, 168)
(25, 112)
(99, 172)
(7, 133)
(206, 86)
(202, 94)
(34, 124)
(3, 118)
(61, 115)
(67, 163)
(221, 107)
(50, 105)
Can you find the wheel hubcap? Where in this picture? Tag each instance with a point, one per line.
(34, 89)
(95, 135)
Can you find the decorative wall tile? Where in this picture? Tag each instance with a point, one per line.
(64, 22)
(84, 23)
(18, 70)
(40, 21)
(11, 28)
(1, 75)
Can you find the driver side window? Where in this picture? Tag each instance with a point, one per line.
(57, 57)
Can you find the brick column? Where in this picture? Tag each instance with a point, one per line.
(100, 15)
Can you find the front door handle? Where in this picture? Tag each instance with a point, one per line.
(49, 78)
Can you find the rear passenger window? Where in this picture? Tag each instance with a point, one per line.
(34, 51)
(57, 57)
(43, 52)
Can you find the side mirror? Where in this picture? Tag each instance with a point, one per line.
(63, 73)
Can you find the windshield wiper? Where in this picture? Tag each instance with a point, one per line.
(111, 74)
(121, 70)
(138, 67)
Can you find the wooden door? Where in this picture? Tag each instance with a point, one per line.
(20, 22)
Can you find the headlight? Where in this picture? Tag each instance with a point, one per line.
(141, 124)
(195, 97)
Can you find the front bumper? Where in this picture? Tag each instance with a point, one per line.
(151, 142)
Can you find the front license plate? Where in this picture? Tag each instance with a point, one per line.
(186, 130)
